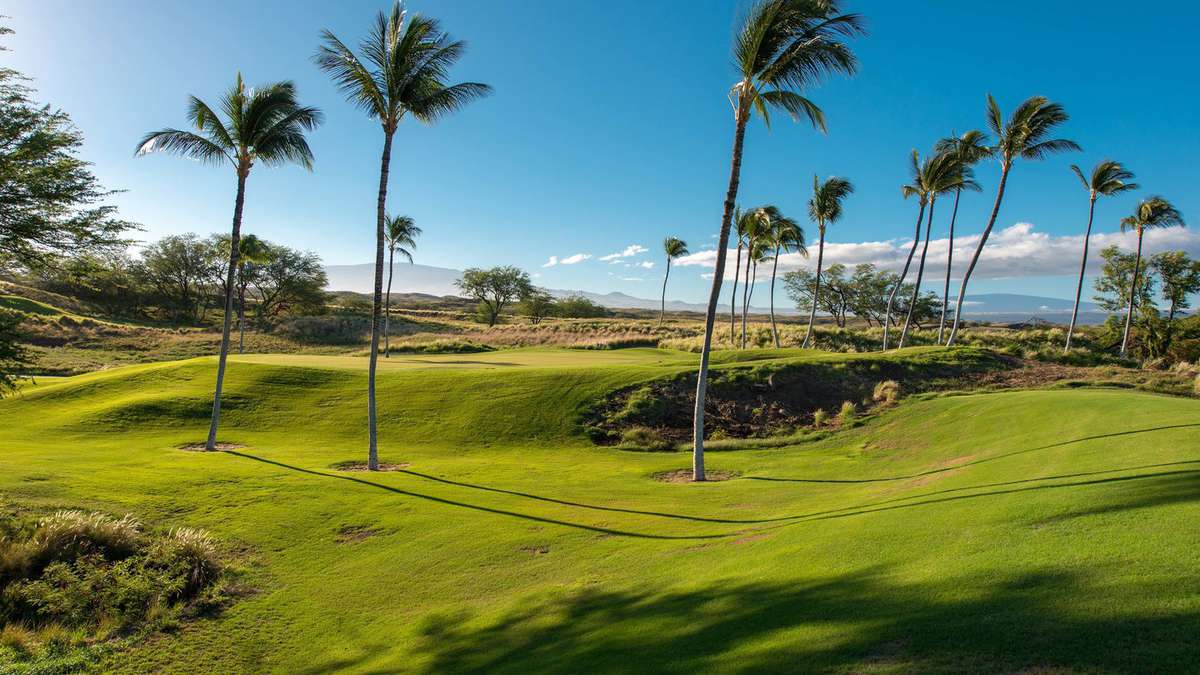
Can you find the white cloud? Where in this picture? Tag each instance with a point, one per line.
(631, 279)
(551, 262)
(646, 264)
(630, 250)
(1015, 251)
(577, 258)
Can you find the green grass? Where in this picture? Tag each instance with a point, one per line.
(989, 532)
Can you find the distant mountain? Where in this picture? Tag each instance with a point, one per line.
(439, 281)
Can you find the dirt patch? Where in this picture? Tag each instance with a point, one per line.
(221, 447)
(535, 550)
(751, 538)
(362, 466)
(685, 476)
(353, 534)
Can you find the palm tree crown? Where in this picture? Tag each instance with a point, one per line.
(403, 70)
(970, 148)
(401, 233)
(1026, 132)
(262, 125)
(825, 206)
(1108, 178)
(1153, 212)
(675, 247)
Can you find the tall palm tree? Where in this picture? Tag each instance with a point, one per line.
(1025, 135)
(825, 208)
(400, 233)
(756, 230)
(783, 47)
(403, 72)
(1154, 212)
(787, 236)
(741, 220)
(970, 149)
(1108, 178)
(264, 125)
(917, 188)
(942, 174)
(254, 252)
(674, 248)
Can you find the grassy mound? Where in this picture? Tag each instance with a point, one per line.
(1000, 532)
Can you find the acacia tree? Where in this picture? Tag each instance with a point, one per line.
(918, 189)
(403, 72)
(825, 208)
(264, 125)
(1154, 212)
(401, 234)
(1108, 178)
(969, 149)
(494, 288)
(782, 48)
(674, 248)
(1025, 135)
(787, 236)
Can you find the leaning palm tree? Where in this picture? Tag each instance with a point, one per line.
(787, 236)
(741, 221)
(917, 188)
(674, 248)
(254, 252)
(825, 208)
(783, 47)
(1108, 178)
(1154, 212)
(1025, 135)
(756, 233)
(402, 73)
(400, 233)
(265, 125)
(942, 174)
(970, 149)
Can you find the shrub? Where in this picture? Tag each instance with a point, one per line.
(1196, 385)
(820, 418)
(644, 439)
(886, 392)
(847, 413)
(642, 406)
(189, 555)
(68, 535)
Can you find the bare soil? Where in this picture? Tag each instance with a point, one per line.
(221, 447)
(362, 466)
(685, 476)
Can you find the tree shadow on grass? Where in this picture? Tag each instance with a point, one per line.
(1035, 621)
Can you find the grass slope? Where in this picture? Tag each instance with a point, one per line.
(996, 532)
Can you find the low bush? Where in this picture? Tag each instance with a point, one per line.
(886, 392)
(847, 413)
(820, 418)
(645, 440)
(642, 407)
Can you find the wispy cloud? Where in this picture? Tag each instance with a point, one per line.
(577, 258)
(646, 264)
(629, 251)
(631, 278)
(551, 262)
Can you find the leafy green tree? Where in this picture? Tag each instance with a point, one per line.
(14, 357)
(835, 301)
(868, 293)
(403, 72)
(1025, 135)
(1116, 280)
(1107, 178)
(579, 307)
(494, 288)
(178, 270)
(824, 208)
(673, 247)
(1180, 277)
(536, 305)
(401, 233)
(786, 235)
(263, 125)
(50, 202)
(1153, 212)
(969, 149)
(290, 280)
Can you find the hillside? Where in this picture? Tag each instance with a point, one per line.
(507, 542)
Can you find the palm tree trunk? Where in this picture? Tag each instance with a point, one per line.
(812, 312)
(949, 266)
(735, 170)
(377, 303)
(1137, 264)
(774, 269)
(737, 270)
(987, 231)
(662, 313)
(887, 323)
(912, 304)
(387, 306)
(234, 241)
(241, 310)
(1082, 269)
(746, 292)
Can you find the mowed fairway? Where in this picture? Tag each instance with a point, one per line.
(1035, 530)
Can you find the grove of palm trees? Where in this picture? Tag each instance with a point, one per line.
(547, 471)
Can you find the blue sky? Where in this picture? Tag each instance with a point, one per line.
(609, 126)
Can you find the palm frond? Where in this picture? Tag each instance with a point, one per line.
(796, 105)
(351, 76)
(183, 143)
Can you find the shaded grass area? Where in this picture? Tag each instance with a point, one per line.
(1030, 530)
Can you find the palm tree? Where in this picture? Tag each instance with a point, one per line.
(673, 247)
(783, 47)
(1108, 178)
(756, 230)
(916, 189)
(787, 236)
(403, 72)
(970, 149)
(1024, 136)
(254, 252)
(942, 174)
(1154, 212)
(825, 207)
(401, 233)
(265, 125)
(741, 220)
